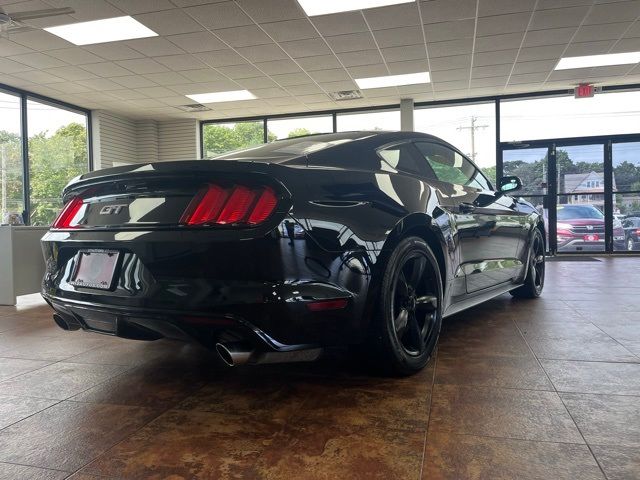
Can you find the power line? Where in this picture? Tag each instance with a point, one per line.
(472, 128)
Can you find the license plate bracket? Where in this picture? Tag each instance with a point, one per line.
(95, 268)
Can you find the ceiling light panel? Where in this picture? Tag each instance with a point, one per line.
(324, 7)
(393, 80)
(216, 97)
(605, 60)
(102, 31)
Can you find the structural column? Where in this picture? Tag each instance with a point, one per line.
(406, 114)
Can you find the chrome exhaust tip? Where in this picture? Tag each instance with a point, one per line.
(64, 324)
(234, 354)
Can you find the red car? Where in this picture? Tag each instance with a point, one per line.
(581, 228)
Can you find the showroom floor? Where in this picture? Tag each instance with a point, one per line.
(548, 388)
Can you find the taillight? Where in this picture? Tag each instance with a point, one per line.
(66, 217)
(638, 232)
(236, 205)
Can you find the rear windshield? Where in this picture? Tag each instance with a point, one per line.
(579, 211)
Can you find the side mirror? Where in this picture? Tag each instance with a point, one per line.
(509, 184)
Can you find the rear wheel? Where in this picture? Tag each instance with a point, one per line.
(534, 282)
(630, 246)
(409, 313)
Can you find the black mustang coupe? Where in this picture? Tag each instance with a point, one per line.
(277, 252)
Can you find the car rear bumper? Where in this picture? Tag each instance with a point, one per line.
(258, 289)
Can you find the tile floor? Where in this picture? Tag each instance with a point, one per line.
(540, 389)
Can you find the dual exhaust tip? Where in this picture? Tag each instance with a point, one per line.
(241, 353)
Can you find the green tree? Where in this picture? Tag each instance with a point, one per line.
(299, 132)
(10, 173)
(219, 139)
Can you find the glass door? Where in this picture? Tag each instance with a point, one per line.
(626, 197)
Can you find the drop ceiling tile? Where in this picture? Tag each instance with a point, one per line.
(219, 15)
(498, 42)
(634, 31)
(589, 48)
(127, 94)
(154, 46)
(70, 87)
(100, 84)
(197, 42)
(534, 67)
(9, 66)
(401, 15)
(169, 22)
(40, 40)
(321, 62)
(592, 33)
(133, 81)
(174, 100)
(408, 66)
(113, 51)
(407, 52)
(447, 10)
(338, 74)
(396, 37)
(454, 85)
(363, 57)
(613, 12)
(528, 78)
(221, 58)
(290, 30)
(271, 11)
(420, 88)
(142, 65)
(289, 79)
(199, 75)
(310, 47)
(449, 63)
(488, 82)
(277, 67)
(552, 36)
(494, 58)
(106, 69)
(243, 36)
(169, 78)
(499, 24)
(546, 52)
(626, 45)
(85, 11)
(439, 32)
(257, 82)
(7, 48)
(304, 89)
(380, 92)
(75, 56)
(558, 17)
(37, 76)
(450, 75)
(340, 24)
(491, 71)
(38, 60)
(204, 87)
(365, 71)
(236, 72)
(461, 46)
(497, 7)
(70, 73)
(351, 42)
(141, 6)
(155, 92)
(311, 99)
(178, 63)
(147, 103)
(273, 92)
(263, 53)
(338, 86)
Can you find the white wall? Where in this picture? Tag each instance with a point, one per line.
(118, 140)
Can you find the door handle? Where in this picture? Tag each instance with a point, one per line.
(466, 207)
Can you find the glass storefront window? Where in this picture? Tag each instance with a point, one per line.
(611, 113)
(11, 181)
(469, 128)
(626, 199)
(379, 120)
(58, 151)
(219, 138)
(299, 126)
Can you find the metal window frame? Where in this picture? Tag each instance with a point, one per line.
(23, 97)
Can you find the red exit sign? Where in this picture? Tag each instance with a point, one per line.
(584, 90)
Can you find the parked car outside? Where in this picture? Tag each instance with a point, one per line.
(631, 227)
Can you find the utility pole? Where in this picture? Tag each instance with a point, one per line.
(472, 128)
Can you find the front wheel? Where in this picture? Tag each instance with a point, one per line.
(534, 282)
(630, 244)
(409, 310)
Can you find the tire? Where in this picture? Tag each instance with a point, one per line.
(534, 282)
(408, 314)
(630, 244)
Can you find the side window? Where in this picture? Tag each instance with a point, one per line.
(451, 167)
(402, 157)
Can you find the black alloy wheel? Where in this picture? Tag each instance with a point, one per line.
(534, 282)
(410, 312)
(630, 246)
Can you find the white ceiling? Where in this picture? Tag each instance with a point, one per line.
(291, 62)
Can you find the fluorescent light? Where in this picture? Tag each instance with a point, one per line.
(215, 97)
(393, 80)
(101, 31)
(323, 7)
(598, 60)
